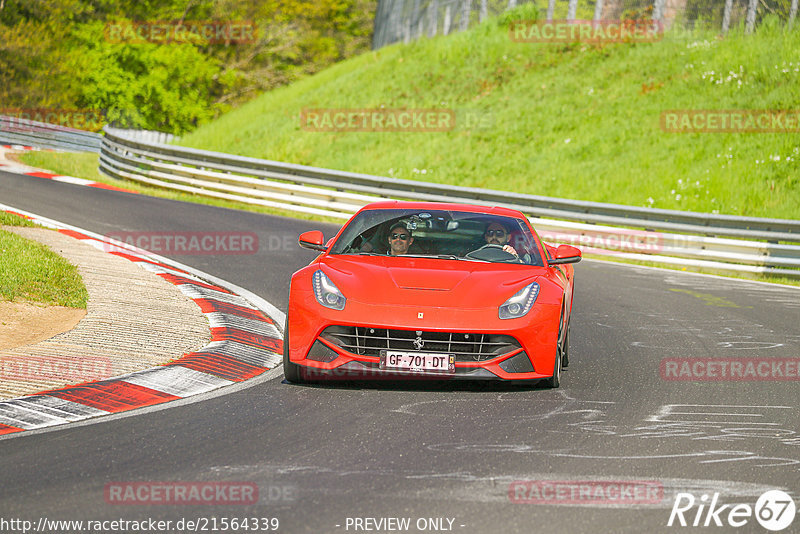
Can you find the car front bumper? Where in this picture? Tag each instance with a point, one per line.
(319, 357)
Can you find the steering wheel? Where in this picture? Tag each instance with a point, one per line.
(492, 252)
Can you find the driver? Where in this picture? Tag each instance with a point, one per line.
(400, 239)
(496, 234)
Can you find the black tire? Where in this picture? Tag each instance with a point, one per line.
(291, 371)
(565, 350)
(555, 381)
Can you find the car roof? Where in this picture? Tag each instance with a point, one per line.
(452, 206)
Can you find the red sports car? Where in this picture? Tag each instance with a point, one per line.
(426, 290)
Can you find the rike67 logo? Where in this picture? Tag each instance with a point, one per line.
(774, 510)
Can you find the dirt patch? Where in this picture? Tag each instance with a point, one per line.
(23, 323)
(14, 156)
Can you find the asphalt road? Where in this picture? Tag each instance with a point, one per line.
(443, 455)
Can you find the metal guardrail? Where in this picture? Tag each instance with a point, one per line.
(16, 131)
(722, 242)
(25, 132)
(148, 136)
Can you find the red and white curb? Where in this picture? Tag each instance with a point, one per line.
(18, 147)
(16, 168)
(245, 342)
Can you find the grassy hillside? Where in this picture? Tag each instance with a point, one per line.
(575, 121)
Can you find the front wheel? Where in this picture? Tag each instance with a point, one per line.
(555, 380)
(291, 371)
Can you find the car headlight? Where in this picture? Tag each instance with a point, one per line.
(521, 303)
(327, 293)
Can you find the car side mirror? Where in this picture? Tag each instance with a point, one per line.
(312, 240)
(566, 254)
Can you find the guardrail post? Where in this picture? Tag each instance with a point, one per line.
(598, 10)
(658, 10)
(433, 18)
(572, 9)
(751, 16)
(726, 16)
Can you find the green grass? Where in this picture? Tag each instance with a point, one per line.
(9, 219)
(571, 121)
(79, 164)
(29, 271)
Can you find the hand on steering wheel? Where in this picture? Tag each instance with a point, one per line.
(483, 253)
(506, 248)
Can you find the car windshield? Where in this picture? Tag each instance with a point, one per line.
(444, 234)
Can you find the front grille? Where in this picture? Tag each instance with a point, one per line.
(468, 347)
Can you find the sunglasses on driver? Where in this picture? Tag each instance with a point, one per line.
(493, 233)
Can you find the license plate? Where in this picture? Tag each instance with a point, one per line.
(418, 361)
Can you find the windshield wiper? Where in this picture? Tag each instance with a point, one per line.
(439, 257)
(436, 256)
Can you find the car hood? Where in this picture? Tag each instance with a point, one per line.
(425, 281)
